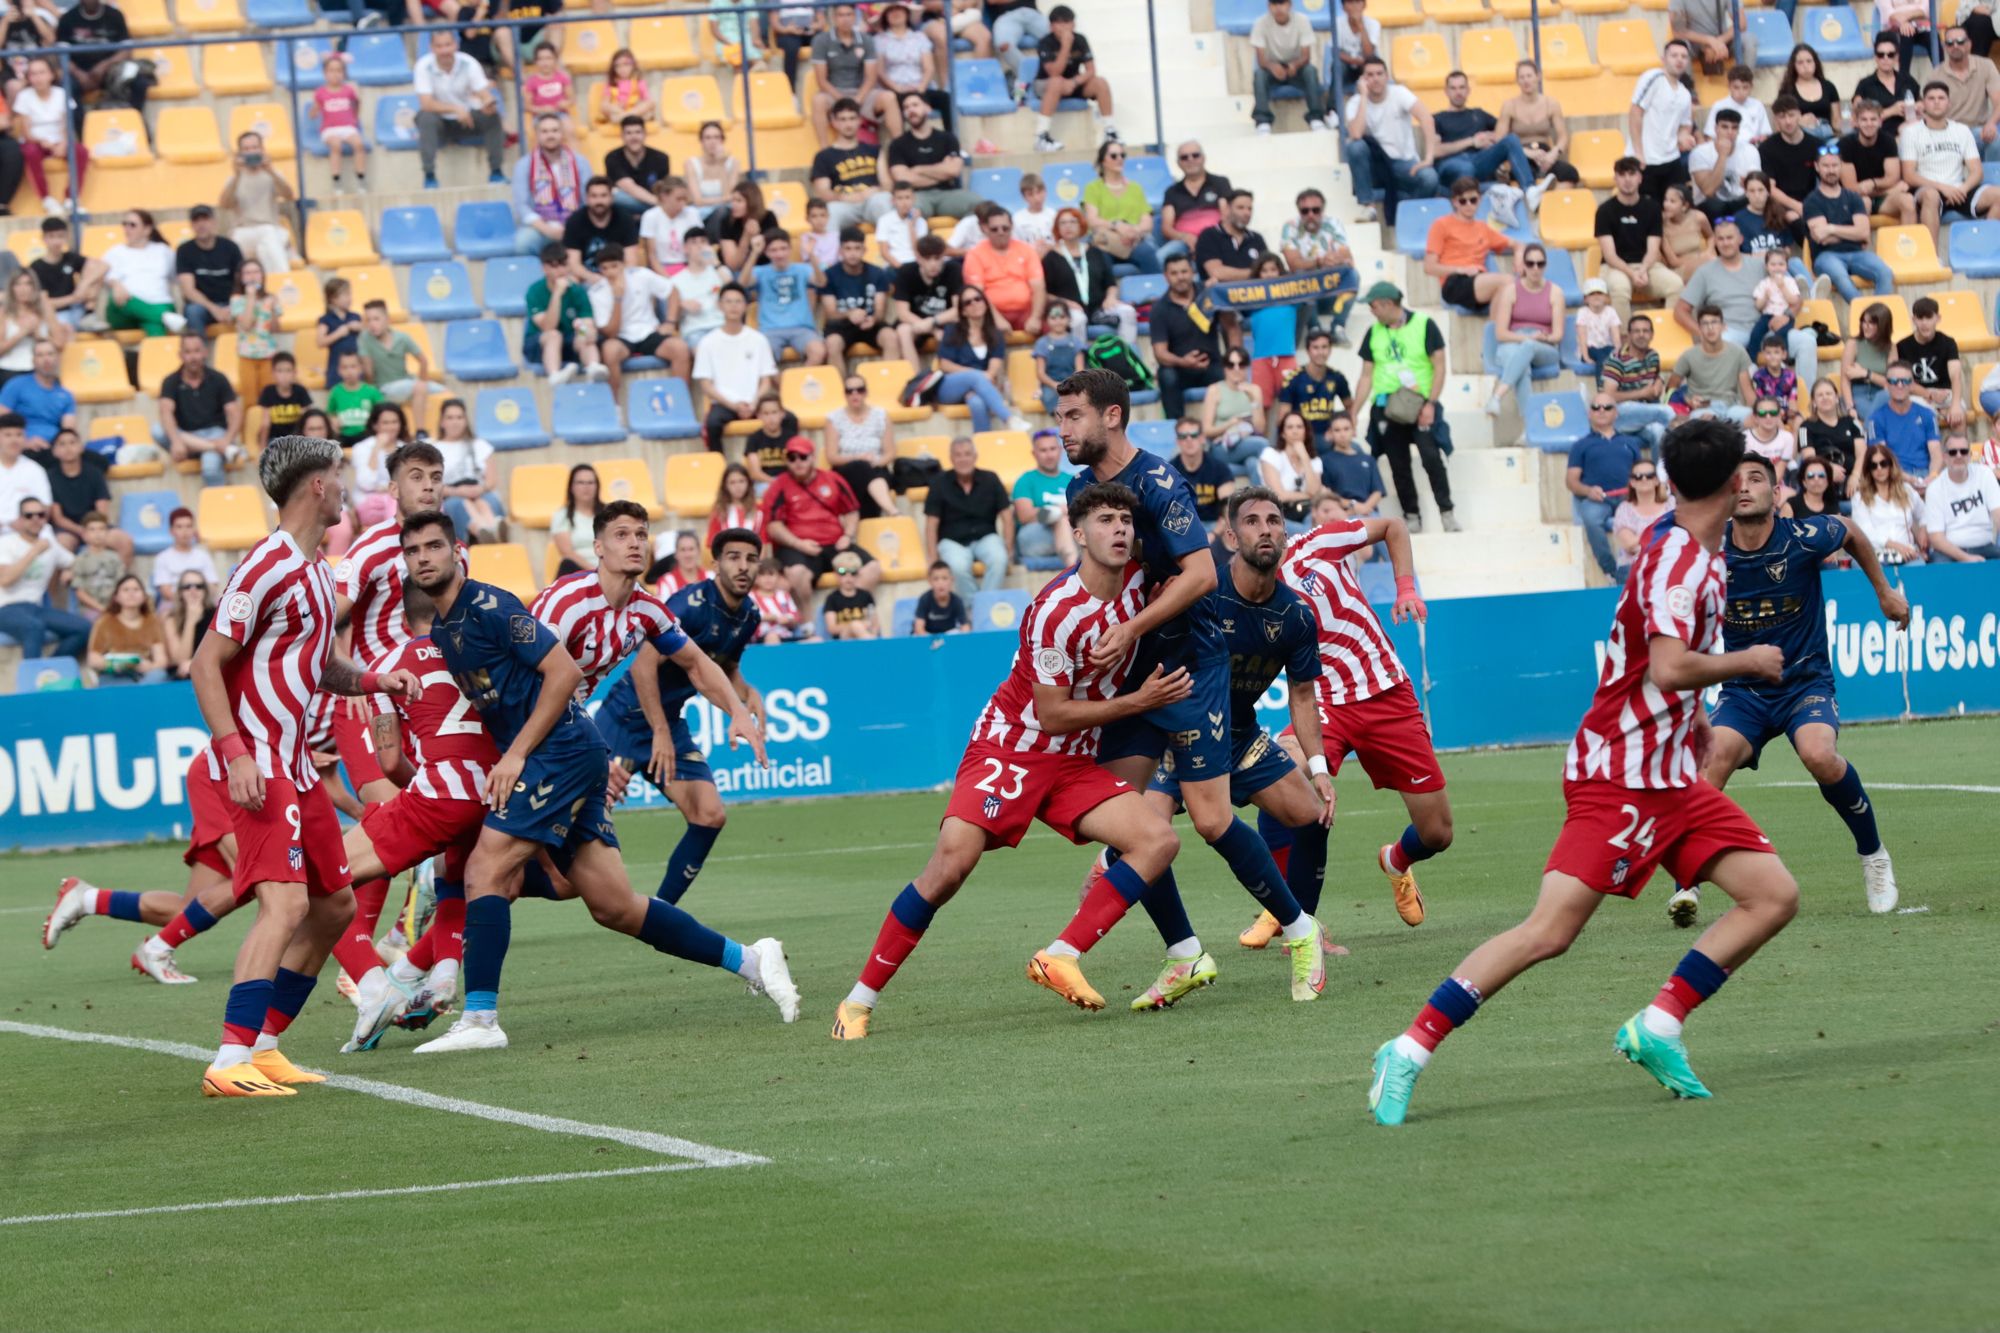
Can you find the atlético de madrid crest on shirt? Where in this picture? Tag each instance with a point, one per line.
(992, 807)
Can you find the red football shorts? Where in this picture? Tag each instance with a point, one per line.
(209, 807)
(410, 827)
(1003, 791)
(1614, 837)
(354, 738)
(293, 839)
(1386, 732)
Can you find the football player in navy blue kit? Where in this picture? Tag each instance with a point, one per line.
(1774, 597)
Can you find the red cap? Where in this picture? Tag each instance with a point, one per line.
(799, 447)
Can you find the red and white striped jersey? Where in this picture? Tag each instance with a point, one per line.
(370, 577)
(1356, 658)
(441, 730)
(598, 634)
(1636, 734)
(319, 721)
(673, 581)
(278, 604)
(1061, 626)
(777, 607)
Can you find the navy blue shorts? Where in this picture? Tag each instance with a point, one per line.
(1258, 762)
(559, 802)
(1195, 731)
(1760, 718)
(631, 740)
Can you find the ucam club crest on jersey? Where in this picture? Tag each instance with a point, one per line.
(1776, 569)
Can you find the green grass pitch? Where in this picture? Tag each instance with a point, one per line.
(994, 1159)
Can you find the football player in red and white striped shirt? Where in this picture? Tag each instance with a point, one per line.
(1366, 702)
(1033, 755)
(603, 614)
(271, 648)
(1636, 796)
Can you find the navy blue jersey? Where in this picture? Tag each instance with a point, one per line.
(493, 647)
(1167, 527)
(1263, 639)
(1773, 596)
(712, 627)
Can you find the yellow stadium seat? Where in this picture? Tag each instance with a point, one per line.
(1600, 7)
(101, 237)
(1960, 315)
(1604, 94)
(189, 134)
(1565, 52)
(374, 282)
(535, 492)
(686, 102)
(25, 244)
(1518, 9)
(1455, 11)
(129, 427)
(1669, 338)
(551, 563)
(896, 543)
(787, 202)
(505, 565)
(158, 358)
(811, 393)
(629, 479)
(587, 47)
(162, 185)
(780, 150)
(772, 106)
(1627, 46)
(1396, 13)
(1488, 55)
(173, 66)
(136, 471)
(1593, 152)
(303, 301)
(116, 140)
(1023, 388)
(231, 518)
(885, 380)
(223, 360)
(1910, 254)
(270, 120)
(209, 15)
(338, 238)
(692, 480)
(147, 18)
(662, 43)
(1420, 59)
(1569, 219)
(94, 370)
(1005, 453)
(235, 69)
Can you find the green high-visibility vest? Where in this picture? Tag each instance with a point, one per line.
(1399, 353)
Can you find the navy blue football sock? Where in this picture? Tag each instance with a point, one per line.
(1162, 902)
(489, 925)
(1250, 861)
(1276, 835)
(198, 917)
(120, 904)
(1305, 873)
(1849, 800)
(1412, 847)
(672, 931)
(685, 863)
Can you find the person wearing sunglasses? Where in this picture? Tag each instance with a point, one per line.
(1816, 498)
(1595, 476)
(1887, 510)
(1528, 322)
(1646, 499)
(1456, 247)
(1768, 438)
(1191, 204)
(1974, 85)
(32, 563)
(1908, 428)
(1315, 242)
(1889, 88)
(1962, 507)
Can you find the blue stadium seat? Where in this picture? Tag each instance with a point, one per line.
(407, 235)
(311, 141)
(587, 414)
(1001, 185)
(1773, 34)
(298, 61)
(442, 290)
(279, 13)
(662, 410)
(1031, 71)
(144, 515)
(1413, 224)
(1523, 231)
(507, 281)
(46, 673)
(476, 349)
(1153, 175)
(1831, 31)
(1974, 248)
(1142, 288)
(1378, 583)
(1556, 420)
(979, 88)
(1238, 17)
(378, 60)
(1319, 13)
(396, 123)
(1489, 353)
(1066, 181)
(509, 419)
(1155, 437)
(903, 619)
(999, 610)
(484, 229)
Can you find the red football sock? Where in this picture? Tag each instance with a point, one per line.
(449, 924)
(1430, 1028)
(893, 944)
(1283, 857)
(1677, 997)
(423, 954)
(177, 932)
(369, 895)
(1103, 907)
(356, 954)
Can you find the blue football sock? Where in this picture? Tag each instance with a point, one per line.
(489, 925)
(1276, 835)
(247, 1003)
(198, 916)
(1250, 861)
(913, 909)
(1702, 973)
(1305, 873)
(448, 888)
(290, 991)
(1849, 800)
(672, 931)
(685, 863)
(123, 905)
(1412, 846)
(1126, 881)
(1162, 902)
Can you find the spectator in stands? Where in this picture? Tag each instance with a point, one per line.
(861, 447)
(31, 564)
(1646, 498)
(1536, 119)
(764, 452)
(1831, 435)
(137, 276)
(548, 187)
(1403, 366)
(733, 365)
(844, 172)
(1187, 340)
(1870, 168)
(846, 69)
(1356, 40)
(1933, 358)
(664, 228)
(283, 404)
(1121, 221)
(1787, 157)
(1717, 168)
(1836, 219)
(1753, 120)
(98, 566)
(635, 170)
(1660, 121)
(907, 60)
(1818, 99)
(740, 225)
(1631, 376)
(1456, 247)
(597, 227)
(1229, 251)
(455, 102)
(1034, 220)
(200, 413)
(1598, 330)
(1687, 238)
(1316, 389)
(1057, 354)
(548, 88)
(12, 163)
(772, 596)
(784, 294)
(1470, 143)
(1017, 30)
(336, 105)
(679, 567)
(1973, 85)
(1707, 30)
(810, 517)
(1962, 508)
(1941, 164)
(26, 317)
(573, 530)
(1207, 476)
(854, 298)
(1816, 497)
(1728, 282)
(60, 271)
(898, 230)
(1314, 242)
(943, 611)
(78, 489)
(205, 266)
(388, 353)
(625, 304)
(1069, 69)
(1010, 274)
(1528, 323)
(1382, 120)
(1716, 371)
(926, 298)
(39, 396)
(1082, 278)
(1041, 504)
(339, 330)
(254, 193)
(1768, 224)
(1599, 465)
(1191, 204)
(1889, 510)
(927, 157)
(388, 430)
(1232, 416)
(1888, 88)
(735, 503)
(1289, 467)
(20, 478)
(1284, 47)
(183, 558)
(561, 332)
(1864, 361)
(1350, 474)
(968, 519)
(128, 645)
(849, 610)
(712, 173)
(972, 353)
(187, 617)
(256, 315)
(1908, 24)
(352, 400)
(471, 496)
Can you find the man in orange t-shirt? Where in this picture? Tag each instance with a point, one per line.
(1009, 274)
(1456, 249)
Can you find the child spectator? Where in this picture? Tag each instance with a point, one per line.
(777, 607)
(255, 311)
(664, 228)
(696, 304)
(42, 122)
(339, 329)
(1274, 336)
(560, 333)
(819, 245)
(1768, 437)
(942, 612)
(388, 352)
(785, 300)
(1774, 379)
(1778, 296)
(1756, 125)
(60, 271)
(898, 231)
(352, 401)
(183, 557)
(549, 89)
(98, 568)
(1069, 69)
(624, 91)
(1035, 221)
(764, 452)
(128, 645)
(1597, 326)
(77, 489)
(1058, 353)
(849, 610)
(735, 501)
(283, 403)
(337, 107)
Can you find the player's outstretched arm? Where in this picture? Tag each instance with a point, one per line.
(1305, 727)
(1394, 534)
(343, 677)
(1195, 581)
(1059, 714)
(1675, 666)
(714, 686)
(1895, 606)
(246, 783)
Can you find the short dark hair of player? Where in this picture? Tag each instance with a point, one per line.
(1245, 496)
(1756, 459)
(429, 518)
(733, 537)
(1104, 389)
(1101, 495)
(1728, 116)
(929, 246)
(618, 509)
(289, 460)
(418, 608)
(416, 451)
(1702, 455)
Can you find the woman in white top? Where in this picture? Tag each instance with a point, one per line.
(41, 124)
(904, 54)
(573, 529)
(471, 495)
(1887, 511)
(25, 316)
(861, 448)
(1291, 469)
(388, 431)
(1646, 498)
(711, 176)
(138, 277)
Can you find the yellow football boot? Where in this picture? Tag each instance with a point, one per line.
(850, 1021)
(244, 1080)
(1064, 976)
(1409, 901)
(1261, 932)
(273, 1065)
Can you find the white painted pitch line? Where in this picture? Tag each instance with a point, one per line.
(1904, 786)
(338, 1196)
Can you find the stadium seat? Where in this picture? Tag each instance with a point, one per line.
(1396, 13)
(143, 514)
(1489, 356)
(1832, 31)
(1627, 46)
(338, 238)
(999, 610)
(441, 290)
(1556, 420)
(1023, 389)
(1592, 153)
(1565, 52)
(535, 492)
(106, 434)
(148, 18)
(1567, 219)
(509, 419)
(484, 229)
(376, 282)
(378, 60)
(903, 619)
(396, 123)
(301, 297)
(1455, 11)
(689, 100)
(173, 67)
(1237, 17)
(235, 69)
(1602, 7)
(411, 234)
(39, 675)
(231, 518)
(1413, 224)
(94, 370)
(662, 409)
(1772, 32)
(1155, 437)
(772, 106)
(1153, 176)
(897, 544)
(1910, 254)
(885, 380)
(629, 479)
(810, 393)
(787, 202)
(661, 43)
(1067, 181)
(477, 349)
(158, 358)
(587, 47)
(1488, 55)
(188, 134)
(1005, 453)
(507, 282)
(1000, 185)
(116, 140)
(209, 15)
(270, 120)
(278, 13)
(692, 480)
(586, 414)
(297, 62)
(505, 565)
(1421, 59)
(1973, 249)
(1960, 315)
(979, 88)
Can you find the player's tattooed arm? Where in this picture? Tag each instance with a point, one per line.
(387, 731)
(343, 677)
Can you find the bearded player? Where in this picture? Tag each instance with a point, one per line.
(1033, 755)
(1636, 796)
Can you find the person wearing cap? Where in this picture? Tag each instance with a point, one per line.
(205, 270)
(1041, 503)
(1836, 219)
(1598, 328)
(811, 517)
(1403, 355)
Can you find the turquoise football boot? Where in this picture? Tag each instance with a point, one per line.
(1395, 1078)
(1665, 1058)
